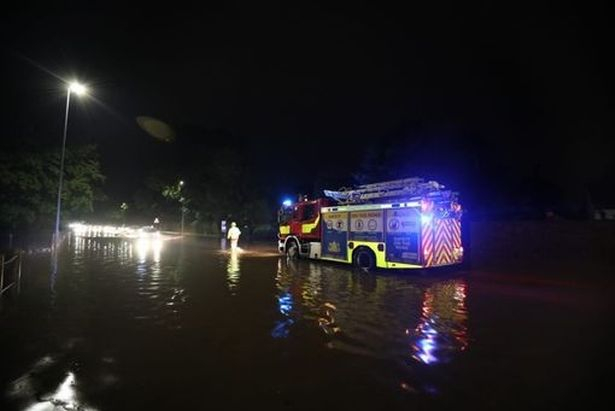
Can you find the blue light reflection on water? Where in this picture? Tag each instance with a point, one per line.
(442, 328)
(285, 306)
(285, 302)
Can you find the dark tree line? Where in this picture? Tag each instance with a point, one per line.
(220, 182)
(29, 182)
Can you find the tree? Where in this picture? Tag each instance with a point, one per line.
(29, 184)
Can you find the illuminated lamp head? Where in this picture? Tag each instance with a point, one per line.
(77, 88)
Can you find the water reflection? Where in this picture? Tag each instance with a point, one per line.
(326, 321)
(143, 247)
(294, 283)
(442, 329)
(147, 292)
(53, 272)
(148, 249)
(65, 397)
(369, 314)
(232, 271)
(126, 299)
(119, 249)
(27, 389)
(281, 328)
(312, 286)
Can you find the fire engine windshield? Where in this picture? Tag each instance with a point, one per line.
(285, 214)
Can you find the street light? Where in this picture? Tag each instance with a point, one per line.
(78, 89)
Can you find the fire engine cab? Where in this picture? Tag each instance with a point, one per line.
(400, 224)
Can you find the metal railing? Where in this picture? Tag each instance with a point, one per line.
(10, 266)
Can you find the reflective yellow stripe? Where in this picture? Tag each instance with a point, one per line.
(307, 228)
(381, 261)
(284, 229)
(402, 265)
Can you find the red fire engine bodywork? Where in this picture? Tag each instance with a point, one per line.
(305, 222)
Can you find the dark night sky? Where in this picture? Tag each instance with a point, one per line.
(299, 86)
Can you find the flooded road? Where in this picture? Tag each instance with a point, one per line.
(177, 324)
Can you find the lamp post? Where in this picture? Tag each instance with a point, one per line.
(78, 89)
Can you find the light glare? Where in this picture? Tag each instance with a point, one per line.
(77, 88)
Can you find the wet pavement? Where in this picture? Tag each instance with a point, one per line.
(177, 324)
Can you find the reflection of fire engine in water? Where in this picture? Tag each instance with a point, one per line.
(408, 223)
(299, 296)
(442, 330)
(327, 298)
(286, 304)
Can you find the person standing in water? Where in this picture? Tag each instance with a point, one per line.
(233, 235)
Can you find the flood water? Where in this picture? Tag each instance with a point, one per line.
(176, 324)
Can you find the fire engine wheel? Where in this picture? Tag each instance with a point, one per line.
(364, 259)
(292, 251)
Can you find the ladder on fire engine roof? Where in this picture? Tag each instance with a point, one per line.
(408, 188)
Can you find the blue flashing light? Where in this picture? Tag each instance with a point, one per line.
(426, 218)
(287, 202)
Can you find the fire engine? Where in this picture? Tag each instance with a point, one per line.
(400, 224)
